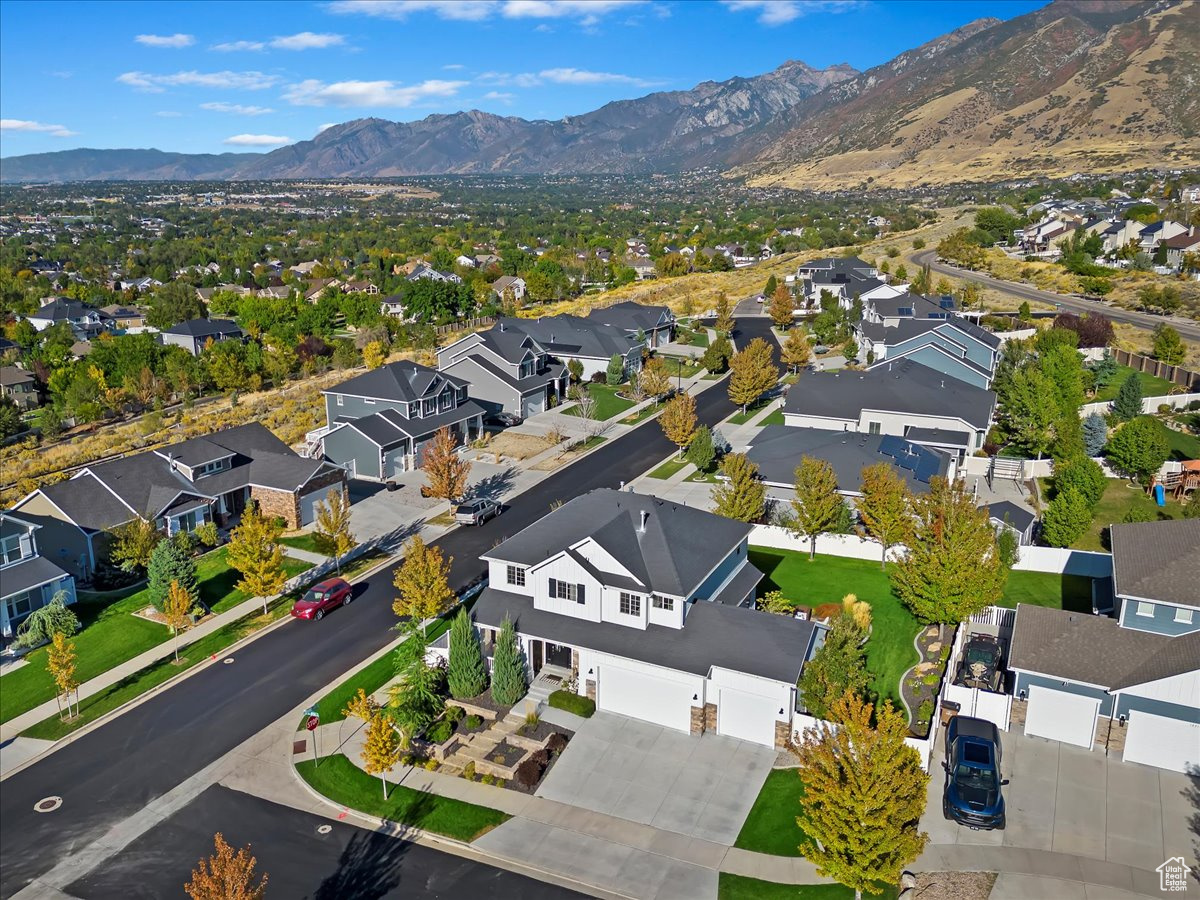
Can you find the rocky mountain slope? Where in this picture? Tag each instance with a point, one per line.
(121, 165)
(1076, 86)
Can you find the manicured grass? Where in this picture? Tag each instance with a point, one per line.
(1118, 499)
(695, 337)
(642, 414)
(890, 651)
(608, 404)
(680, 368)
(827, 579)
(1183, 446)
(1152, 385)
(343, 782)
(742, 418)
(740, 887)
(709, 477)
(111, 634)
(771, 826)
(306, 541)
(775, 418)
(669, 468)
(594, 441)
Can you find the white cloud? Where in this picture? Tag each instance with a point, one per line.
(367, 93)
(258, 140)
(325, 127)
(307, 40)
(31, 127)
(499, 96)
(453, 67)
(168, 114)
(237, 109)
(780, 12)
(561, 76)
(236, 46)
(166, 40)
(587, 11)
(156, 84)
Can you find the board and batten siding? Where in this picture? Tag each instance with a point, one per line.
(357, 407)
(1026, 680)
(563, 568)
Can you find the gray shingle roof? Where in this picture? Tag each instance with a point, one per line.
(398, 381)
(630, 316)
(1158, 560)
(731, 637)
(88, 503)
(1017, 516)
(204, 328)
(904, 387)
(572, 336)
(678, 548)
(388, 428)
(777, 450)
(943, 436)
(11, 376)
(523, 385)
(29, 574)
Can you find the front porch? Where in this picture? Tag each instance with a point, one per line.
(21, 597)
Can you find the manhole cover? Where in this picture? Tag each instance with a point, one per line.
(228, 660)
(49, 804)
(324, 829)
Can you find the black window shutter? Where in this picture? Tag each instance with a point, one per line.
(553, 588)
(580, 596)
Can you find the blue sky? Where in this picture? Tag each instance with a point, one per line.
(218, 76)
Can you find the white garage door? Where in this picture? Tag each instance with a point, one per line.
(532, 405)
(1060, 716)
(308, 505)
(642, 695)
(1162, 742)
(747, 716)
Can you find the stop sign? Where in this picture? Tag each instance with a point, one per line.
(312, 722)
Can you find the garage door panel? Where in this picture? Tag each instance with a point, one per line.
(1161, 742)
(308, 505)
(643, 695)
(750, 717)
(532, 405)
(1059, 716)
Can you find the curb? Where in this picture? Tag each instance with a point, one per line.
(159, 688)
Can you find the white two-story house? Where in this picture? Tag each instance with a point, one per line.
(28, 581)
(647, 604)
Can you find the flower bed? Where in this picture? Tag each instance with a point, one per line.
(483, 706)
(920, 685)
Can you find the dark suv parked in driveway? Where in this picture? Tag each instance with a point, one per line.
(972, 794)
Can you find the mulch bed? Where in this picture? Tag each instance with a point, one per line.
(505, 754)
(920, 684)
(485, 700)
(540, 731)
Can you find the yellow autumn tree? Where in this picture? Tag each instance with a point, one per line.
(678, 419)
(226, 875)
(423, 580)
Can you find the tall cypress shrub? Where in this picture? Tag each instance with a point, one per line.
(466, 674)
(509, 683)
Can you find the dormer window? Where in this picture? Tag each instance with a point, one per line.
(667, 603)
(208, 468)
(565, 590)
(15, 547)
(429, 407)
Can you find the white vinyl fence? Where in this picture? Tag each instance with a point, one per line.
(1150, 405)
(923, 746)
(971, 701)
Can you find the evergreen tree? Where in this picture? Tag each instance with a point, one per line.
(615, 373)
(742, 495)
(716, 357)
(1095, 434)
(864, 795)
(1128, 404)
(466, 674)
(818, 506)
(1067, 517)
(701, 452)
(415, 699)
(952, 568)
(509, 682)
(169, 562)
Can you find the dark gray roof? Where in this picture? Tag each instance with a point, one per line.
(907, 329)
(29, 574)
(678, 548)
(739, 587)
(204, 328)
(88, 503)
(11, 375)
(196, 451)
(1016, 515)
(1078, 646)
(572, 336)
(510, 344)
(939, 436)
(777, 450)
(921, 307)
(388, 428)
(523, 385)
(1158, 560)
(398, 382)
(631, 316)
(731, 637)
(1096, 649)
(903, 387)
(62, 308)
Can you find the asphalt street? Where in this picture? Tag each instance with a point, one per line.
(114, 771)
(347, 862)
(1189, 330)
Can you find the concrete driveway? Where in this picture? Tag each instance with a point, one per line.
(1064, 799)
(700, 787)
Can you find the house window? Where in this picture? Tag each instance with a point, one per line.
(631, 604)
(369, 401)
(19, 606)
(667, 603)
(1145, 608)
(430, 406)
(11, 549)
(447, 400)
(516, 575)
(565, 590)
(341, 401)
(1183, 616)
(874, 427)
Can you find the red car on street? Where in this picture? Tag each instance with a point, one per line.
(320, 598)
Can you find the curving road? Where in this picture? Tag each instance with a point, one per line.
(114, 771)
(1186, 327)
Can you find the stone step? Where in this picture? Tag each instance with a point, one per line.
(451, 768)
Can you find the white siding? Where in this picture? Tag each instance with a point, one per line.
(1162, 742)
(671, 618)
(610, 609)
(600, 558)
(563, 568)
(641, 690)
(1181, 689)
(498, 579)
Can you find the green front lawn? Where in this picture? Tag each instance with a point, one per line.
(343, 782)
(742, 418)
(111, 633)
(890, 651)
(775, 418)
(692, 337)
(641, 415)
(306, 541)
(740, 887)
(1152, 385)
(771, 826)
(680, 368)
(669, 468)
(608, 404)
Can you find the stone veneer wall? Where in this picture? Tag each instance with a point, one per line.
(697, 720)
(783, 734)
(591, 689)
(286, 504)
(710, 717)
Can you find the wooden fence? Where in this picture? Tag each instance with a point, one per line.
(466, 325)
(1174, 374)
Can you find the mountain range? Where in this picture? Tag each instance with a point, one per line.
(1075, 86)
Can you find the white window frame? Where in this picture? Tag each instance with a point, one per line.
(630, 604)
(667, 603)
(1145, 609)
(369, 401)
(1183, 616)
(564, 590)
(341, 400)
(516, 575)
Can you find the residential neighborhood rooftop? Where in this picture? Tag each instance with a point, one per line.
(398, 381)
(1158, 560)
